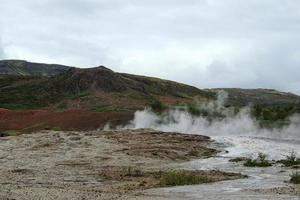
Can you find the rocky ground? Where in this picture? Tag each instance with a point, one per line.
(289, 190)
(95, 164)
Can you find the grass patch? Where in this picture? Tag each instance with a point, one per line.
(111, 109)
(155, 104)
(9, 133)
(238, 159)
(181, 177)
(78, 95)
(260, 161)
(290, 160)
(56, 129)
(135, 176)
(295, 178)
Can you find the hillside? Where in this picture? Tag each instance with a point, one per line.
(83, 99)
(96, 88)
(26, 85)
(262, 97)
(56, 96)
(24, 68)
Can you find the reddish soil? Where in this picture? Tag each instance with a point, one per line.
(74, 119)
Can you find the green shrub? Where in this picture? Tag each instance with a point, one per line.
(238, 159)
(180, 177)
(56, 129)
(156, 105)
(4, 134)
(295, 178)
(194, 110)
(198, 110)
(274, 114)
(260, 161)
(290, 160)
(9, 133)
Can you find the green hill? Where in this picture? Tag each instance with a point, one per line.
(24, 68)
(96, 88)
(262, 97)
(26, 85)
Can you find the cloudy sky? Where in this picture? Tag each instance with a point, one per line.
(206, 43)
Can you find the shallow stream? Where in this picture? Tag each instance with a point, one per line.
(259, 178)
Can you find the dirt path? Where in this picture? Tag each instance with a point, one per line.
(94, 165)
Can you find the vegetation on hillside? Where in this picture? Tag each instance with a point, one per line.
(266, 116)
(26, 92)
(25, 85)
(24, 68)
(156, 105)
(262, 97)
(32, 92)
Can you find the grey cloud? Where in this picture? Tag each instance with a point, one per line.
(207, 43)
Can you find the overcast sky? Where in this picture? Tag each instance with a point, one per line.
(205, 43)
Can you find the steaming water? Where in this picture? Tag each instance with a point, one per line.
(259, 178)
(236, 135)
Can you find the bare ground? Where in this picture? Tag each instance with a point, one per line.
(95, 164)
(27, 121)
(291, 189)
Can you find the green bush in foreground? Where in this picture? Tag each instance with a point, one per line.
(260, 161)
(295, 178)
(180, 177)
(290, 160)
(156, 104)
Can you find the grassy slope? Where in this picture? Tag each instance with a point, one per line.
(24, 68)
(102, 89)
(263, 97)
(93, 88)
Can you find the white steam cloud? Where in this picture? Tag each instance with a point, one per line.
(239, 124)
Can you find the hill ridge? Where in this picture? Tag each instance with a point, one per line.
(92, 88)
(100, 88)
(25, 68)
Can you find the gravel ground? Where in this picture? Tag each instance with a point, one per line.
(72, 165)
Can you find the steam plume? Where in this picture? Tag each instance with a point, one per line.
(240, 123)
